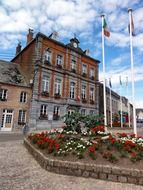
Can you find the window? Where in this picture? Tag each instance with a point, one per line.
(59, 60)
(92, 73)
(73, 64)
(72, 90)
(91, 93)
(84, 69)
(83, 112)
(23, 97)
(43, 110)
(3, 94)
(48, 55)
(91, 112)
(45, 84)
(58, 86)
(83, 92)
(56, 112)
(22, 117)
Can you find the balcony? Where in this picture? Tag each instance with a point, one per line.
(45, 93)
(43, 117)
(57, 96)
(47, 62)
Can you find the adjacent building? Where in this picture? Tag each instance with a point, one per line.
(15, 96)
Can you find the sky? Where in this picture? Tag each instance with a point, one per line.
(83, 18)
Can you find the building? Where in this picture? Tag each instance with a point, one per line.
(15, 96)
(63, 76)
(115, 101)
(139, 115)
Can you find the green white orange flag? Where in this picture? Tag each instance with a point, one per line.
(106, 31)
(132, 26)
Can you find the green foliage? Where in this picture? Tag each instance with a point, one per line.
(91, 121)
(73, 121)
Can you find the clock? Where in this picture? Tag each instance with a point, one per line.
(75, 44)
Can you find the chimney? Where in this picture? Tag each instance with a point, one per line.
(18, 48)
(29, 35)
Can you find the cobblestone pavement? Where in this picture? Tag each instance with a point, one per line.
(19, 171)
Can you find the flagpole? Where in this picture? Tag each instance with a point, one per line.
(121, 114)
(132, 72)
(128, 102)
(104, 86)
(110, 107)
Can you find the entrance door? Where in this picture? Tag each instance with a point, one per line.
(7, 120)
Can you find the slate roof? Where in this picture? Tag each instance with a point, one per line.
(10, 74)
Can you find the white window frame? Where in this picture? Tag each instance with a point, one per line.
(48, 55)
(45, 84)
(83, 111)
(83, 91)
(22, 116)
(56, 110)
(73, 62)
(84, 68)
(59, 59)
(91, 92)
(23, 97)
(3, 94)
(72, 89)
(92, 72)
(58, 86)
(43, 109)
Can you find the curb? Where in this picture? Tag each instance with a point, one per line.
(103, 172)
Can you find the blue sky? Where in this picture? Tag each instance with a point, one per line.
(80, 17)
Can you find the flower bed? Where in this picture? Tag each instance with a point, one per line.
(92, 144)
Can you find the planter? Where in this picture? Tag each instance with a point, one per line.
(84, 100)
(92, 102)
(57, 96)
(84, 74)
(46, 62)
(73, 70)
(43, 117)
(59, 66)
(56, 117)
(45, 93)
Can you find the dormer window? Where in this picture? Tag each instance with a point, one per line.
(47, 56)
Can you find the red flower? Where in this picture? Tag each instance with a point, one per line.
(92, 149)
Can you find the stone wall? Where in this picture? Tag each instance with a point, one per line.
(86, 170)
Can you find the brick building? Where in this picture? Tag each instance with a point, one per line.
(64, 78)
(15, 96)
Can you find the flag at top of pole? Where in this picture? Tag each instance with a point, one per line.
(110, 83)
(120, 80)
(106, 30)
(131, 25)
